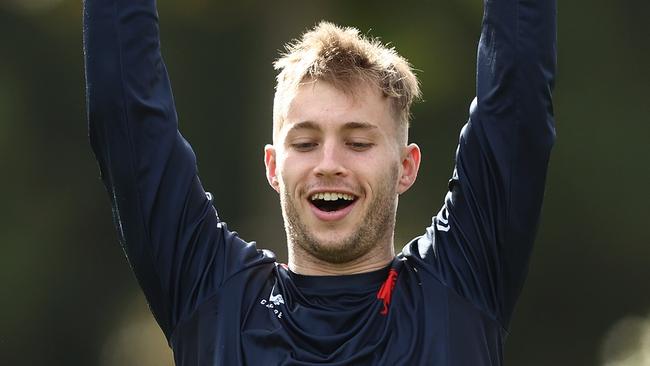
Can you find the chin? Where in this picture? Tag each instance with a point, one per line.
(335, 242)
(336, 248)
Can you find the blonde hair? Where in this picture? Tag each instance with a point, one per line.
(345, 59)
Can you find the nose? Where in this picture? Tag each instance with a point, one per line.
(331, 161)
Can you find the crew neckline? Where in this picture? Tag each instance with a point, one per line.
(372, 278)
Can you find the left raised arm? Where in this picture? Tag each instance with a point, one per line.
(483, 236)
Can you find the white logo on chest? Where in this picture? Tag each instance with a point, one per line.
(273, 303)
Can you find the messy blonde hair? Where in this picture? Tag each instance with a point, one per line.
(345, 59)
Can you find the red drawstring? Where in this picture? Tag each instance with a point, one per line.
(386, 290)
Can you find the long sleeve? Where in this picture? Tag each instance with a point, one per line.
(166, 222)
(481, 240)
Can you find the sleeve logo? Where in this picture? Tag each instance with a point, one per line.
(442, 219)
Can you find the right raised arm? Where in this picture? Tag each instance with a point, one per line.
(165, 221)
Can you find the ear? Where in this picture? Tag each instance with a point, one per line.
(270, 163)
(410, 166)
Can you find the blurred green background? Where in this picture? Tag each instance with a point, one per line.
(67, 294)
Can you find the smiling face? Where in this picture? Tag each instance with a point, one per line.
(339, 163)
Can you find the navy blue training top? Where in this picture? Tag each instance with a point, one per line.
(446, 299)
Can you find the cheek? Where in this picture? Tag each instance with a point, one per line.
(374, 163)
(289, 171)
(382, 175)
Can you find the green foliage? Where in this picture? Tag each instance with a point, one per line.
(63, 276)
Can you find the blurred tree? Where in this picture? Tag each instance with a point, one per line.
(67, 290)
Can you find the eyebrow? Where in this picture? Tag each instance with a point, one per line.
(359, 126)
(353, 125)
(304, 125)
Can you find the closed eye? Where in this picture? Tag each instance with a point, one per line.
(304, 146)
(360, 146)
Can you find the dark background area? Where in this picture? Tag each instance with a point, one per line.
(67, 294)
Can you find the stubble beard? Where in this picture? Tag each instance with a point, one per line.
(375, 227)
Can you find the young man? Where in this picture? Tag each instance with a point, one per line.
(339, 161)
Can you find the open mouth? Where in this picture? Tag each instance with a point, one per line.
(331, 201)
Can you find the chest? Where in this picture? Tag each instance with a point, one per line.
(271, 322)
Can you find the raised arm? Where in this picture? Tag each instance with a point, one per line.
(165, 221)
(483, 236)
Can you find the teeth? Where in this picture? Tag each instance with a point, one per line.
(331, 196)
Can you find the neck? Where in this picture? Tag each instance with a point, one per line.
(302, 263)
